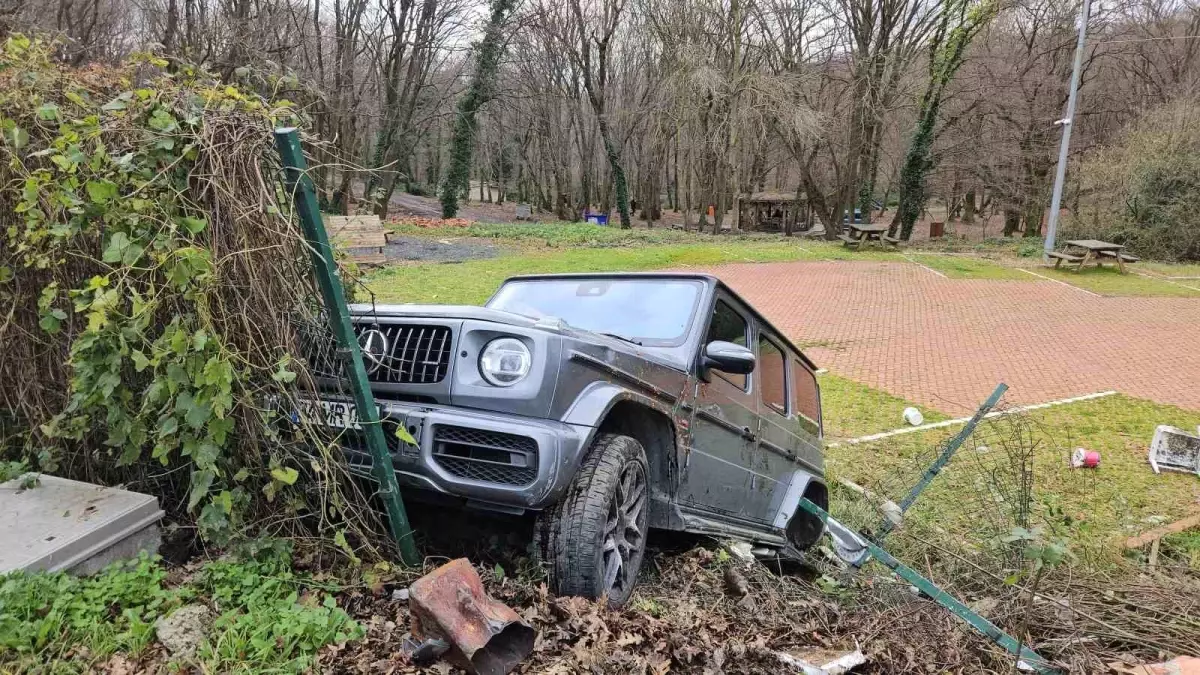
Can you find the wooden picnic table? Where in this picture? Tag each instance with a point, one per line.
(862, 233)
(1093, 250)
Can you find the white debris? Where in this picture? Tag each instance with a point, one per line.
(842, 664)
(184, 630)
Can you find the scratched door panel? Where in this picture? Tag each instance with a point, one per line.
(716, 471)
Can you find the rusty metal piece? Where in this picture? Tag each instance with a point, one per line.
(486, 637)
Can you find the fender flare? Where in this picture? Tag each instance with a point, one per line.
(789, 508)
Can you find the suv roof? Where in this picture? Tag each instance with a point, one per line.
(699, 276)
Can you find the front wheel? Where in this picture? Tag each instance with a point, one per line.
(593, 540)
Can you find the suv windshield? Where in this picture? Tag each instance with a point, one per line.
(652, 312)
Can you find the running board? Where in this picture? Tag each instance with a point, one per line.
(698, 524)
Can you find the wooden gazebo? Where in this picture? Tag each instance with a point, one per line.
(773, 211)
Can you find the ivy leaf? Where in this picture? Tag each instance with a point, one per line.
(162, 120)
(201, 481)
(339, 539)
(168, 426)
(198, 415)
(121, 102)
(140, 362)
(194, 225)
(286, 475)
(118, 243)
(16, 137)
(282, 374)
(214, 523)
(404, 436)
(48, 111)
(101, 191)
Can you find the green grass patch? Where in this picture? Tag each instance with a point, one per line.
(850, 409)
(1109, 281)
(558, 235)
(1173, 270)
(1096, 509)
(268, 619)
(965, 267)
(474, 281)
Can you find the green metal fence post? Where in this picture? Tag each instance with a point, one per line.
(300, 186)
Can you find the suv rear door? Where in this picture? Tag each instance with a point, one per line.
(779, 446)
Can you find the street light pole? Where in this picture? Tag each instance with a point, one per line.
(1060, 173)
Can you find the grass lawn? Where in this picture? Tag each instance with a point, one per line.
(850, 409)
(1170, 270)
(1109, 281)
(968, 267)
(1096, 509)
(474, 281)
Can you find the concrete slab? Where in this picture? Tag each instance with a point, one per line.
(68, 525)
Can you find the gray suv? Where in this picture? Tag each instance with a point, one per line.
(606, 404)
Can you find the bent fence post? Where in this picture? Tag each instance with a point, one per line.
(934, 469)
(1027, 656)
(300, 187)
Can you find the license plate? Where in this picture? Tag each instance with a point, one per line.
(339, 414)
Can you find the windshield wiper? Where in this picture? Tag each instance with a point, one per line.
(622, 338)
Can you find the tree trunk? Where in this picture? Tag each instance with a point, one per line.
(480, 91)
(1034, 210)
(1012, 220)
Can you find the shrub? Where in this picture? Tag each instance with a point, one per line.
(1144, 191)
(155, 285)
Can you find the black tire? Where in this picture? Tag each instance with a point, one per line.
(572, 535)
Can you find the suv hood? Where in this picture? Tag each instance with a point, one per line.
(549, 324)
(442, 312)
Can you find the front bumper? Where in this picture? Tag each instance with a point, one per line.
(558, 448)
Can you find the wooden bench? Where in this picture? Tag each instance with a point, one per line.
(1060, 257)
(847, 240)
(890, 240)
(1124, 256)
(363, 235)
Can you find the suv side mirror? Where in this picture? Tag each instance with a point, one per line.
(728, 357)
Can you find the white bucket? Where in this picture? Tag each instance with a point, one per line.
(913, 417)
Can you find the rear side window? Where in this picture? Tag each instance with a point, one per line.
(729, 326)
(805, 396)
(772, 379)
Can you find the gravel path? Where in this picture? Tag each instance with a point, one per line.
(436, 250)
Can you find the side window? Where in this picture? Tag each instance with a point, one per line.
(772, 380)
(805, 396)
(729, 326)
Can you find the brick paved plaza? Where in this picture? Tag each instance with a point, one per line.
(946, 342)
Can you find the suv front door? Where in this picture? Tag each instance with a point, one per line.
(716, 473)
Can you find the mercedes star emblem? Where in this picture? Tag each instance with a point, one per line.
(374, 348)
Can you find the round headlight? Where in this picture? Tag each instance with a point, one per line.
(505, 362)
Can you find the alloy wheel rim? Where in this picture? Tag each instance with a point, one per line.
(624, 530)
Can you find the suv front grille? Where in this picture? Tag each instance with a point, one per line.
(488, 456)
(409, 353)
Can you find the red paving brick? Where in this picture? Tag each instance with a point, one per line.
(945, 343)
